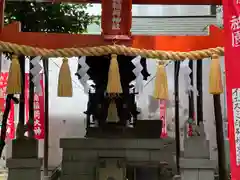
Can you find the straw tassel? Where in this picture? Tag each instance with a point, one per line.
(215, 76)
(65, 80)
(161, 84)
(112, 112)
(14, 77)
(114, 79)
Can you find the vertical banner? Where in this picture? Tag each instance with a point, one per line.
(190, 130)
(231, 10)
(190, 127)
(10, 121)
(163, 111)
(116, 19)
(38, 108)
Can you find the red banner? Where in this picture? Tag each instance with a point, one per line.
(163, 111)
(190, 128)
(231, 10)
(38, 108)
(116, 19)
(10, 121)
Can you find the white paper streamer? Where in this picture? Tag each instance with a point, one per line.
(131, 90)
(137, 72)
(186, 71)
(90, 84)
(35, 71)
(83, 73)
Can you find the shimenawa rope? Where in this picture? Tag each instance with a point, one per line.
(109, 49)
(114, 84)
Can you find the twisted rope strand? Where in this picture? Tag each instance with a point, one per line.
(109, 49)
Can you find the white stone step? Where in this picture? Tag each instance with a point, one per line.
(3, 176)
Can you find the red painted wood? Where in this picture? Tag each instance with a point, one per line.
(11, 34)
(119, 10)
(2, 6)
(162, 2)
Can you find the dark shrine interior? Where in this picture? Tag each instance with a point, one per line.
(128, 125)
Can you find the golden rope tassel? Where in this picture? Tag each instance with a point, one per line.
(112, 112)
(14, 77)
(215, 76)
(114, 79)
(161, 84)
(65, 80)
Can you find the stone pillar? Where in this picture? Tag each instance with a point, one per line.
(24, 163)
(196, 163)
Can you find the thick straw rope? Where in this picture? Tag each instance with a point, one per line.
(110, 49)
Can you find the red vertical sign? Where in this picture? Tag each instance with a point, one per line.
(163, 112)
(116, 19)
(231, 10)
(10, 121)
(38, 108)
(190, 128)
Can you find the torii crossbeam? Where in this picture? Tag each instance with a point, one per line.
(116, 28)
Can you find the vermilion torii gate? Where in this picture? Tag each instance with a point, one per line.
(117, 31)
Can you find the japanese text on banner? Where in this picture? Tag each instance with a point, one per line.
(116, 18)
(38, 109)
(10, 121)
(231, 10)
(236, 117)
(235, 27)
(37, 116)
(116, 14)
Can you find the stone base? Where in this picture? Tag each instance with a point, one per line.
(24, 163)
(23, 169)
(81, 156)
(197, 169)
(25, 148)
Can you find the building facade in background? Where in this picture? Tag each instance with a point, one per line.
(165, 19)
